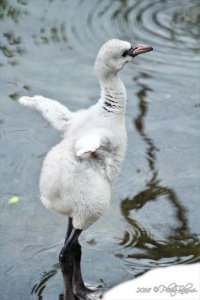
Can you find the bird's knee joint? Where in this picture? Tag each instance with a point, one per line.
(65, 259)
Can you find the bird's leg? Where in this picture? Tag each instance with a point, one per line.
(78, 286)
(67, 263)
(69, 229)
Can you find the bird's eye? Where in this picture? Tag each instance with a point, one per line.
(125, 53)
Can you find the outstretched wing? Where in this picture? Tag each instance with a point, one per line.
(54, 112)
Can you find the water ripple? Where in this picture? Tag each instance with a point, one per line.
(170, 29)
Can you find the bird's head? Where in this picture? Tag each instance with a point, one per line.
(114, 54)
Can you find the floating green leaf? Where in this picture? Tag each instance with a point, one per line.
(13, 200)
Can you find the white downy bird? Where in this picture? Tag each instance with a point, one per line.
(78, 173)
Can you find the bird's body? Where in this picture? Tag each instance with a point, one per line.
(75, 180)
(79, 172)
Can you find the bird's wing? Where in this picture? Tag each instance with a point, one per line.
(54, 112)
(87, 144)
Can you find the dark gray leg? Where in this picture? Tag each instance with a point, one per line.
(69, 229)
(66, 259)
(70, 262)
(78, 286)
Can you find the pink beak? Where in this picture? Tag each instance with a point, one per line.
(139, 49)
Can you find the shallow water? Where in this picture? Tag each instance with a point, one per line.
(49, 48)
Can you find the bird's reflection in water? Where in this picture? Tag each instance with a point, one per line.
(179, 245)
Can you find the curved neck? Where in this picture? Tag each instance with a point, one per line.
(113, 96)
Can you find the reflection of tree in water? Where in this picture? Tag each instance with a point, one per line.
(39, 287)
(12, 41)
(181, 243)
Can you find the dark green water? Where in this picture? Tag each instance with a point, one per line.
(49, 48)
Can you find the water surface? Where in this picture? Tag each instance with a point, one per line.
(49, 48)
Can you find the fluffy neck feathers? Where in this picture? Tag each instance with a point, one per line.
(113, 95)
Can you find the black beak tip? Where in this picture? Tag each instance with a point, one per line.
(149, 48)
